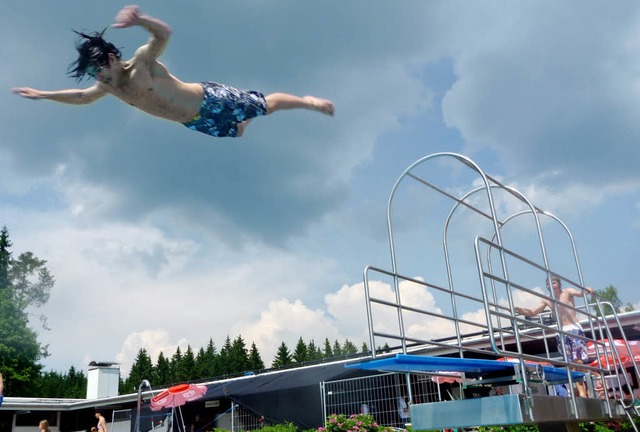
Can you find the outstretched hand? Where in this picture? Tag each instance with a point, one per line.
(27, 92)
(127, 17)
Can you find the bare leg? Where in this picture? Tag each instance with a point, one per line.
(241, 127)
(582, 392)
(284, 101)
(281, 101)
(582, 388)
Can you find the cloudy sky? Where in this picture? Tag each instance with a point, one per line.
(160, 237)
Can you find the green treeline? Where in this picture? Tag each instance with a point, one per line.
(232, 359)
(208, 363)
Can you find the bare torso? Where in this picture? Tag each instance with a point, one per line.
(567, 315)
(148, 86)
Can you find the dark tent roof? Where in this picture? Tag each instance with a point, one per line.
(288, 395)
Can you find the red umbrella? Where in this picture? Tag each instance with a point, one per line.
(177, 396)
(630, 349)
(611, 361)
(447, 377)
(625, 351)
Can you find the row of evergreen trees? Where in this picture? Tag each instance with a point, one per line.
(233, 358)
(207, 364)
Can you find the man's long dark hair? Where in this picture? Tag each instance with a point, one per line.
(92, 50)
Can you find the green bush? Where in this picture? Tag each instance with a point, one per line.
(284, 427)
(366, 423)
(602, 426)
(510, 428)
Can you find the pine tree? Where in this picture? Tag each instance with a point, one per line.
(313, 352)
(142, 368)
(75, 384)
(238, 356)
(51, 385)
(328, 351)
(162, 372)
(365, 348)
(300, 353)
(187, 366)
(255, 361)
(283, 357)
(200, 368)
(225, 353)
(348, 347)
(176, 360)
(212, 360)
(337, 348)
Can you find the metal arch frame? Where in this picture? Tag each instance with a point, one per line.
(394, 269)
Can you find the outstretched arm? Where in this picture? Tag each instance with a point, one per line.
(130, 16)
(578, 292)
(69, 96)
(531, 312)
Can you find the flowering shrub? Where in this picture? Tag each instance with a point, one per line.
(353, 423)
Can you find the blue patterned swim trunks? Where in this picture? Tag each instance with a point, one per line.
(576, 347)
(223, 107)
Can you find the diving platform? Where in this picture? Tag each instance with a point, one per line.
(470, 367)
(468, 251)
(496, 410)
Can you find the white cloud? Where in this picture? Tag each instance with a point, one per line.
(344, 317)
(286, 321)
(528, 94)
(575, 198)
(153, 341)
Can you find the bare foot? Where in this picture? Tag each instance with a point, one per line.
(323, 105)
